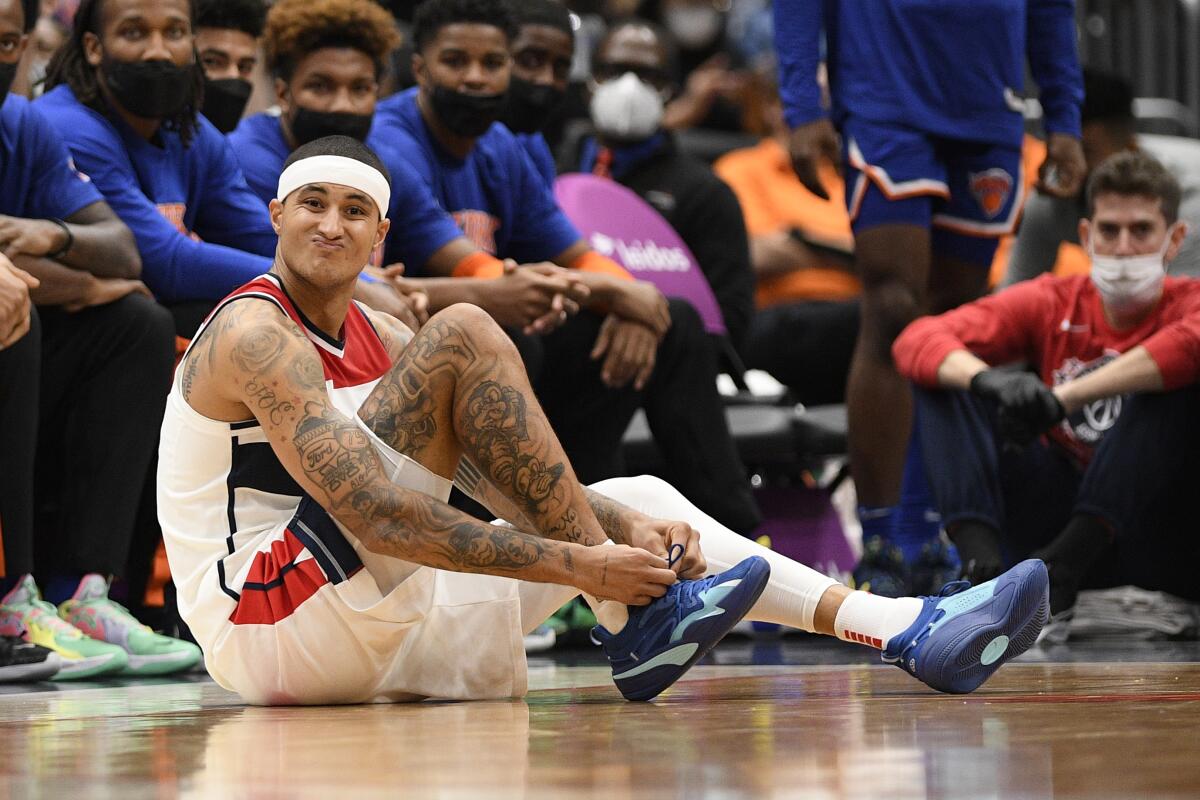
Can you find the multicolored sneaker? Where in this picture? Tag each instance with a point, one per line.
(664, 639)
(25, 662)
(964, 634)
(149, 653)
(23, 611)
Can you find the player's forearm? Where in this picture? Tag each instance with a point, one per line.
(445, 292)
(106, 249)
(1134, 371)
(61, 285)
(615, 518)
(419, 529)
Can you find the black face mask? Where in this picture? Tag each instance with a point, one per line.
(468, 115)
(149, 89)
(530, 105)
(8, 73)
(308, 125)
(224, 102)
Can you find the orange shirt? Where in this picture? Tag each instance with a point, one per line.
(772, 200)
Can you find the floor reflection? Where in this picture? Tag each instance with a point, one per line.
(857, 731)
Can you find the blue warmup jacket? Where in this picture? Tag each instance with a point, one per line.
(950, 68)
(169, 195)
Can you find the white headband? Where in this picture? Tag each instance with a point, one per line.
(340, 170)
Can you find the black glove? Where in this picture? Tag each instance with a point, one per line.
(1027, 406)
(979, 551)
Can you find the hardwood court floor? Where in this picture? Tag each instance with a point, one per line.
(1069, 727)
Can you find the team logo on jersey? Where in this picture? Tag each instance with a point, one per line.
(991, 189)
(480, 227)
(175, 213)
(1089, 424)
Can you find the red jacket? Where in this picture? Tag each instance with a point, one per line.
(1058, 325)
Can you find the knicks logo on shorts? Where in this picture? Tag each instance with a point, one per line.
(991, 189)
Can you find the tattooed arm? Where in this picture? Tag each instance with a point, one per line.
(263, 362)
(624, 525)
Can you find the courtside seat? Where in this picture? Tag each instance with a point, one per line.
(785, 438)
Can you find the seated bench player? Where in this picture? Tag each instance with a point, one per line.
(124, 93)
(307, 452)
(82, 399)
(1103, 497)
(628, 345)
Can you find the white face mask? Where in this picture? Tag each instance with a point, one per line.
(1129, 283)
(695, 27)
(626, 109)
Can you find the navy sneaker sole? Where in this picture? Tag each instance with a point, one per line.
(653, 676)
(983, 628)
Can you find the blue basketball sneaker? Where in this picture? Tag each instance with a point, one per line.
(664, 639)
(964, 634)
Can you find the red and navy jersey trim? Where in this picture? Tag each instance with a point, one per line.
(277, 584)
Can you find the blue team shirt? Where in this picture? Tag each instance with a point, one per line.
(260, 147)
(540, 156)
(200, 231)
(496, 195)
(38, 180)
(946, 67)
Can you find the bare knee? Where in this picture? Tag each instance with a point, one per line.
(476, 326)
(889, 305)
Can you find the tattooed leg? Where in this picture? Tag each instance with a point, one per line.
(460, 389)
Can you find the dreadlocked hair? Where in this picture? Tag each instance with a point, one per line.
(69, 66)
(296, 28)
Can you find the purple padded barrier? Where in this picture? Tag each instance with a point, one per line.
(804, 526)
(619, 224)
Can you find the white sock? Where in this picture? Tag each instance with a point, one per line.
(609, 613)
(792, 594)
(873, 620)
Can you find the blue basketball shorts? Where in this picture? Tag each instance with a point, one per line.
(968, 193)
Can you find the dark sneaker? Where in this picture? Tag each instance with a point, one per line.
(882, 570)
(25, 662)
(937, 566)
(664, 639)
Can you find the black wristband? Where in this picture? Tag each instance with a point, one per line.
(62, 251)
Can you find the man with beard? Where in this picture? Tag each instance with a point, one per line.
(125, 93)
(593, 372)
(227, 34)
(1103, 500)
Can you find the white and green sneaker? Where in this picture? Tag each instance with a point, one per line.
(23, 612)
(149, 653)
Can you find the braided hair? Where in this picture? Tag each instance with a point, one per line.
(69, 65)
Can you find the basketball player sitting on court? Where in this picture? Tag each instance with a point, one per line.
(307, 452)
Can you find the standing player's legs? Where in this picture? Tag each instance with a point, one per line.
(893, 178)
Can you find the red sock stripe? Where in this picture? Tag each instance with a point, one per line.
(862, 638)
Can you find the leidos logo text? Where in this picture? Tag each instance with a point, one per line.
(641, 255)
